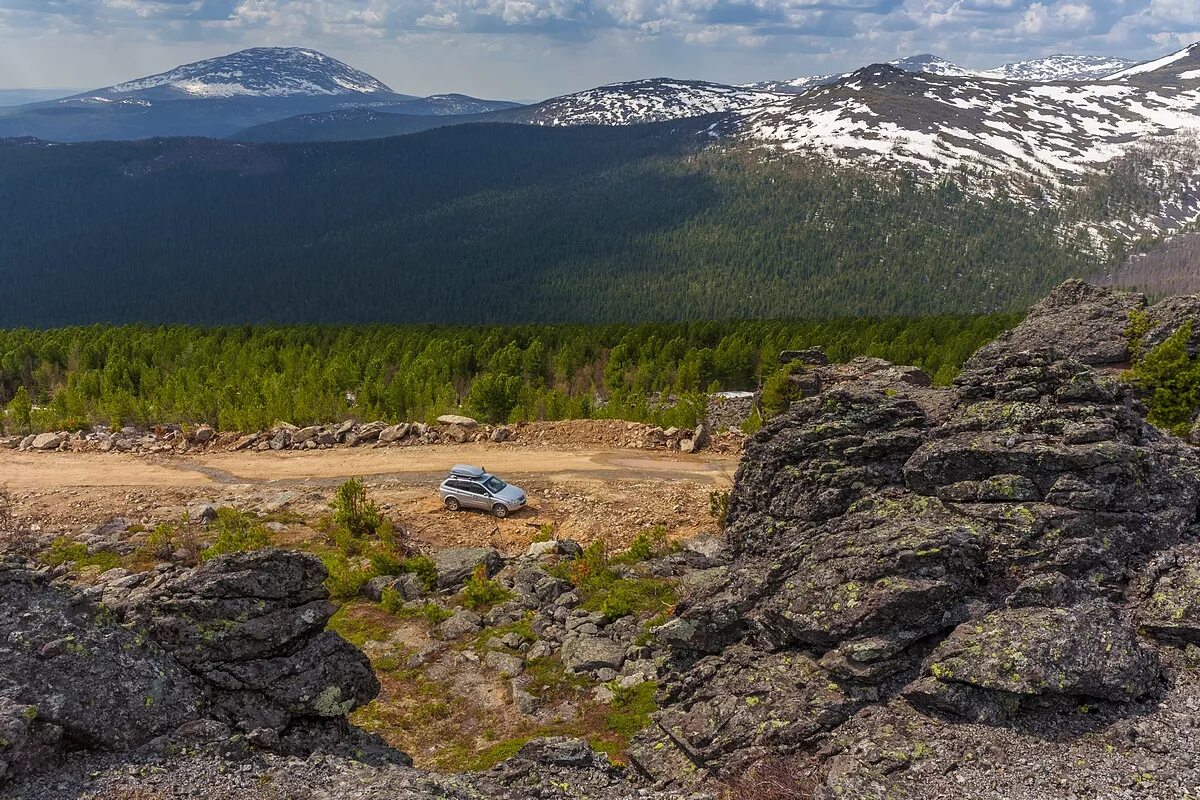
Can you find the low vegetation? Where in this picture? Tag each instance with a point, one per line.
(1170, 380)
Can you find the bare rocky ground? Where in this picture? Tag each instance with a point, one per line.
(989, 591)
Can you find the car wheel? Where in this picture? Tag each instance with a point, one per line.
(500, 511)
(451, 504)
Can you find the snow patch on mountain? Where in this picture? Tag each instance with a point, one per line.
(1156, 65)
(650, 100)
(257, 72)
(934, 124)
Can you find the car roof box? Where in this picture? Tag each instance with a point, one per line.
(466, 471)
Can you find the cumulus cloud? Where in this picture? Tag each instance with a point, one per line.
(550, 39)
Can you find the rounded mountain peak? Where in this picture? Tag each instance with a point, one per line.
(256, 72)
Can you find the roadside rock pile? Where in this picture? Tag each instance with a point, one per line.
(1010, 553)
(450, 429)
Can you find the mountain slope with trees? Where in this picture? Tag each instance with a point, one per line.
(493, 223)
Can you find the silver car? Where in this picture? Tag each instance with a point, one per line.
(474, 487)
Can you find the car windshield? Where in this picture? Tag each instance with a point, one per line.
(494, 484)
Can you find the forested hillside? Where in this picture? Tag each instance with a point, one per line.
(497, 223)
(246, 378)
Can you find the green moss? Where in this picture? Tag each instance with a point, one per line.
(631, 709)
(359, 623)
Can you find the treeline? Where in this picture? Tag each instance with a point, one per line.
(246, 378)
(493, 224)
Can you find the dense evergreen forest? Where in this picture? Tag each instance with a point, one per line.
(246, 378)
(487, 224)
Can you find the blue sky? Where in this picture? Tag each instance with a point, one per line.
(527, 49)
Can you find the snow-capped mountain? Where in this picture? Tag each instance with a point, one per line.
(937, 123)
(257, 72)
(650, 100)
(1039, 140)
(1039, 70)
(932, 65)
(215, 97)
(1182, 65)
(1060, 68)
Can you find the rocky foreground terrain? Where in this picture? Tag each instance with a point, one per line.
(987, 591)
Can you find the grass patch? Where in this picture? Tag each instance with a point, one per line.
(433, 614)
(65, 550)
(624, 596)
(631, 709)
(359, 623)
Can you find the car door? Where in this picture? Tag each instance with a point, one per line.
(477, 496)
(460, 491)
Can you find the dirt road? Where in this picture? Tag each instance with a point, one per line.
(584, 492)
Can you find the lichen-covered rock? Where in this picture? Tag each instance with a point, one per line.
(65, 663)
(963, 554)
(1171, 610)
(1169, 315)
(740, 706)
(1079, 320)
(812, 463)
(251, 625)
(1062, 466)
(27, 743)
(1013, 654)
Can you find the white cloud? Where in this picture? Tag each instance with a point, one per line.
(551, 45)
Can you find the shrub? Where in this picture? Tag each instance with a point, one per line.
(236, 533)
(777, 779)
(1170, 379)
(423, 568)
(648, 544)
(160, 543)
(778, 392)
(65, 550)
(481, 592)
(345, 580)
(391, 601)
(354, 512)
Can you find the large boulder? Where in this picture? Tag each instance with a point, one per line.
(456, 564)
(47, 441)
(1087, 323)
(70, 672)
(987, 668)
(251, 625)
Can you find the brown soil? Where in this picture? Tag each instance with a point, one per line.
(586, 493)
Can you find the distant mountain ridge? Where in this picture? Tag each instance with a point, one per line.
(1041, 70)
(222, 96)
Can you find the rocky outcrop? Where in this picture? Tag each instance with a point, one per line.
(238, 642)
(71, 676)
(980, 556)
(252, 627)
(1099, 326)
